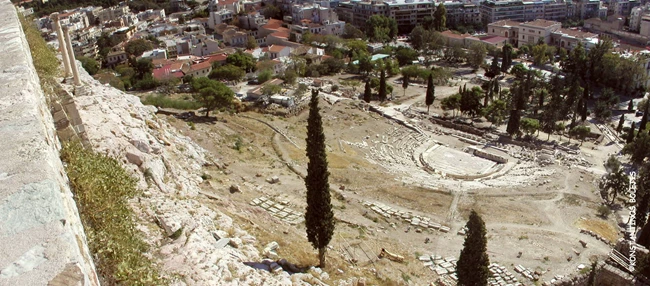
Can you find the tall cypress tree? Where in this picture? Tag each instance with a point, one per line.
(431, 92)
(382, 86)
(367, 92)
(472, 267)
(630, 134)
(319, 217)
(644, 236)
(585, 96)
(507, 58)
(644, 119)
(405, 84)
(620, 123)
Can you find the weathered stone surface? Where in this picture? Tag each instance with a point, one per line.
(134, 158)
(114, 121)
(35, 200)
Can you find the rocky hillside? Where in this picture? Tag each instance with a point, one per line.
(193, 244)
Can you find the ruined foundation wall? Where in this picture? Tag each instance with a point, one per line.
(42, 241)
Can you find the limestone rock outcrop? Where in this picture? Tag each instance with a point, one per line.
(169, 167)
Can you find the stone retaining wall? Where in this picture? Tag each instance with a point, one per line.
(42, 241)
(464, 128)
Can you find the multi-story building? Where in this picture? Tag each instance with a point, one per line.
(635, 16)
(407, 13)
(461, 13)
(218, 17)
(550, 32)
(113, 13)
(410, 12)
(362, 11)
(92, 13)
(85, 49)
(316, 19)
(345, 10)
(231, 5)
(556, 11)
(644, 29)
(505, 28)
(586, 9)
(493, 11)
(517, 10)
(624, 7)
(151, 14)
(569, 38)
(75, 20)
(531, 33)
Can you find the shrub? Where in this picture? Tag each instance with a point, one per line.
(166, 102)
(44, 58)
(102, 189)
(604, 211)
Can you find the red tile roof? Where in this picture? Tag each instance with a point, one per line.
(200, 66)
(276, 48)
(493, 39)
(166, 72)
(273, 24)
(218, 58)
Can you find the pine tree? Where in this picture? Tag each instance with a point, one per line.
(472, 267)
(367, 92)
(619, 128)
(630, 134)
(382, 86)
(431, 93)
(405, 83)
(319, 218)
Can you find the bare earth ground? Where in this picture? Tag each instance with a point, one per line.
(535, 210)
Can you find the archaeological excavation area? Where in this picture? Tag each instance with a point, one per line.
(403, 182)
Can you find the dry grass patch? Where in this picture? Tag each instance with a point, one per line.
(601, 227)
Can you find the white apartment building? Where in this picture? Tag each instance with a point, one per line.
(517, 10)
(219, 17)
(635, 16)
(316, 19)
(407, 12)
(113, 13)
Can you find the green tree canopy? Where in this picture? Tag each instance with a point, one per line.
(212, 94)
(352, 32)
(440, 18)
(476, 55)
(243, 61)
(89, 64)
(380, 28)
(227, 72)
(136, 47)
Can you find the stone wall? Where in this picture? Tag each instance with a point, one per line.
(461, 127)
(42, 241)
